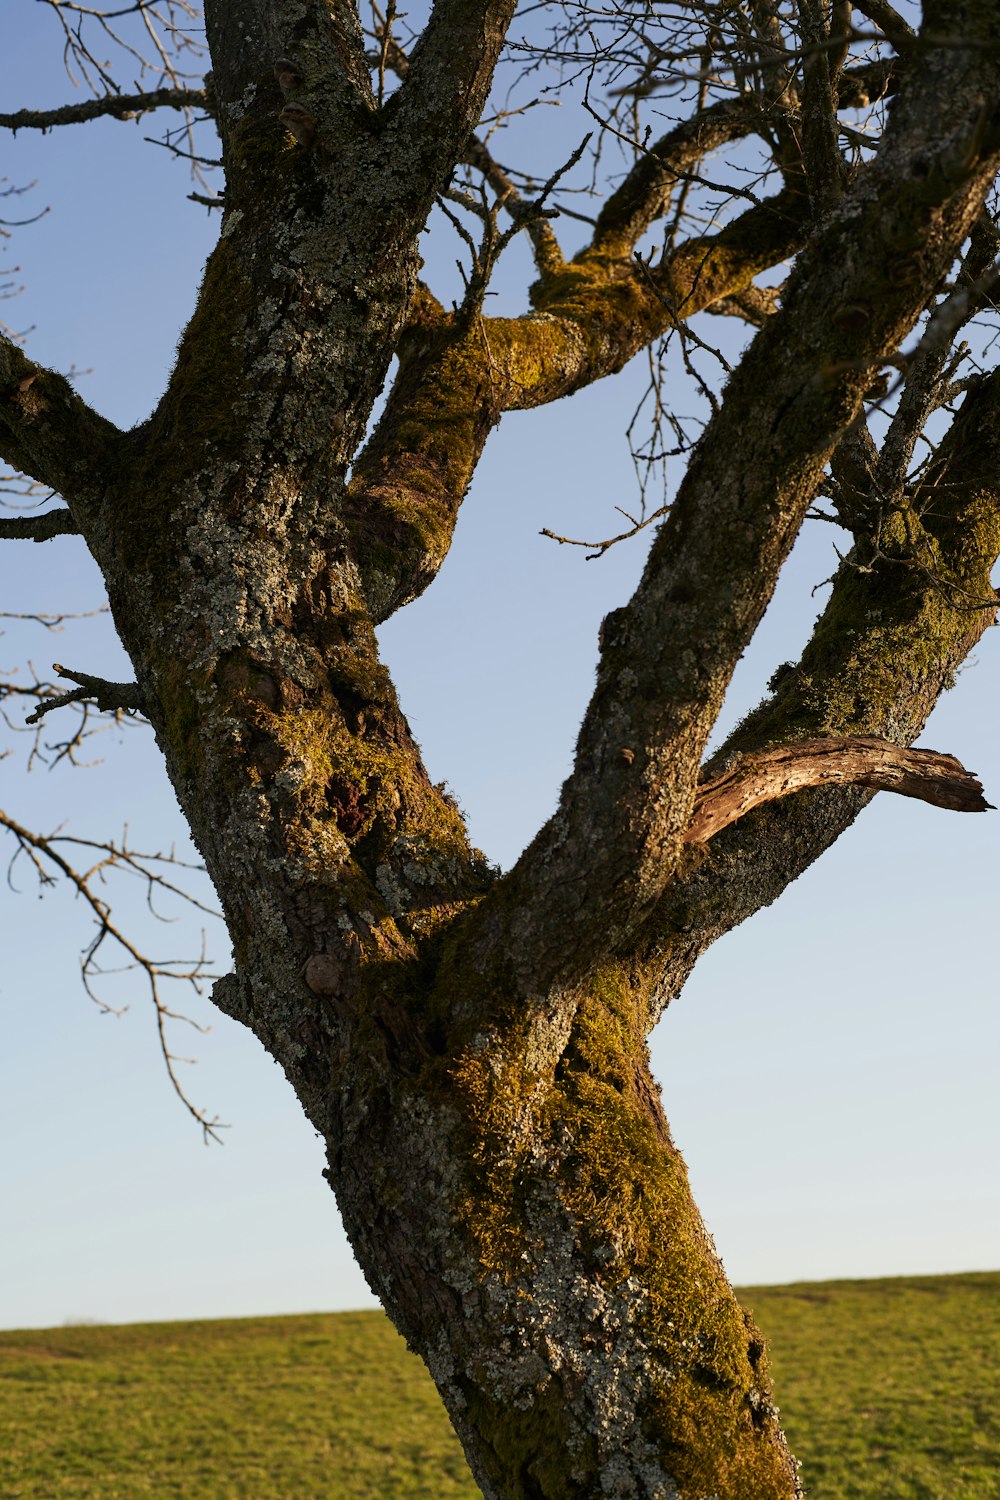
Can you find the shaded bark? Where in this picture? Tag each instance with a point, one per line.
(58, 522)
(115, 107)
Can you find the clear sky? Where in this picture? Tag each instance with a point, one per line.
(830, 1071)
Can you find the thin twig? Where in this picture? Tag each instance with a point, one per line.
(43, 853)
(599, 548)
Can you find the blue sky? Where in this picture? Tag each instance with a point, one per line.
(830, 1071)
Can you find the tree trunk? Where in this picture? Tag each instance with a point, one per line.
(521, 1211)
(499, 1154)
(500, 1157)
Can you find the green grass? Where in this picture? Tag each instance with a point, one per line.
(888, 1391)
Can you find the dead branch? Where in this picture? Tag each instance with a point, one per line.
(90, 720)
(763, 776)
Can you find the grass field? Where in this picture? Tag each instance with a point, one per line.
(888, 1390)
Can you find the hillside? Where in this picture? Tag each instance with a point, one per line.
(888, 1390)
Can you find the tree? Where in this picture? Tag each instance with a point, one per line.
(471, 1044)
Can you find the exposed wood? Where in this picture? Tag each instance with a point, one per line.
(858, 759)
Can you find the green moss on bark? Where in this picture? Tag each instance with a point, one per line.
(892, 636)
(586, 1131)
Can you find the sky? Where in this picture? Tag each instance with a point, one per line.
(830, 1071)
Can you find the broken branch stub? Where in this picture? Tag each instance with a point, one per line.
(862, 760)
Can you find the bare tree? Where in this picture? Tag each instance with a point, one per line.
(472, 1045)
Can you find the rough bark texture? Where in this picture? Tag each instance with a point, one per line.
(472, 1047)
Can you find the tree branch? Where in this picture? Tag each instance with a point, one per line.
(548, 255)
(243, 44)
(49, 433)
(882, 652)
(645, 194)
(45, 853)
(41, 528)
(754, 304)
(108, 696)
(860, 760)
(667, 658)
(820, 151)
(89, 720)
(453, 384)
(439, 102)
(896, 31)
(115, 106)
